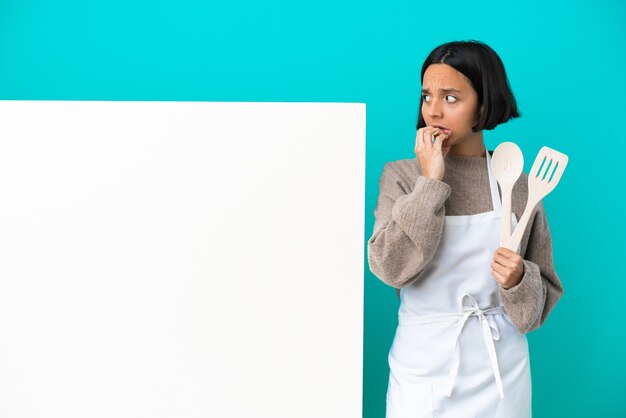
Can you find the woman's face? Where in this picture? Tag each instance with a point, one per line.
(449, 101)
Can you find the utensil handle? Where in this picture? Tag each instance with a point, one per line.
(514, 242)
(505, 230)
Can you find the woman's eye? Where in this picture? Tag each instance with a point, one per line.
(449, 95)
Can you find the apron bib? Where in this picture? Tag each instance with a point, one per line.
(456, 352)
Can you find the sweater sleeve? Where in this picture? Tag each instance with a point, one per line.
(407, 226)
(529, 302)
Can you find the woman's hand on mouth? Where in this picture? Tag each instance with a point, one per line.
(431, 152)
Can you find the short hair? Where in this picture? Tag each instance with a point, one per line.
(484, 68)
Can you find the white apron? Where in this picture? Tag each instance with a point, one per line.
(456, 353)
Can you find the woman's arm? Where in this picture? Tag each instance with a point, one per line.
(407, 228)
(529, 302)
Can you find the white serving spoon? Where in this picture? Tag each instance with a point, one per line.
(508, 163)
(542, 179)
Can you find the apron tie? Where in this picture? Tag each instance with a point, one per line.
(490, 333)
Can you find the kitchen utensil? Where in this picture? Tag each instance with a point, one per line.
(508, 163)
(542, 179)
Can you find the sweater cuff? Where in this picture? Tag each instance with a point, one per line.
(425, 184)
(529, 287)
(431, 191)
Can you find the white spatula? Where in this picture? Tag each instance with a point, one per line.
(542, 179)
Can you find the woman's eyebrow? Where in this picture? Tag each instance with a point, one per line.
(448, 90)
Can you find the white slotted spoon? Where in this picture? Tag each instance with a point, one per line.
(542, 179)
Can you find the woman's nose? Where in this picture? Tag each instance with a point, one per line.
(435, 108)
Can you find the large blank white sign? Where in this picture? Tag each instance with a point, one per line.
(181, 259)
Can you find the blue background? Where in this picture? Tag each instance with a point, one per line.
(566, 65)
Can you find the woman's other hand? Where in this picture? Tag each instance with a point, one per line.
(429, 154)
(507, 267)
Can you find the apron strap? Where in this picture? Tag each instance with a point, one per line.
(493, 186)
(490, 333)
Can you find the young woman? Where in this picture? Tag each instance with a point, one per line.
(460, 348)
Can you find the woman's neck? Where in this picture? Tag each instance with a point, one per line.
(473, 146)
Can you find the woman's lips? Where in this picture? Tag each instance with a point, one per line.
(445, 130)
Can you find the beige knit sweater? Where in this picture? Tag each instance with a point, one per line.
(409, 218)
